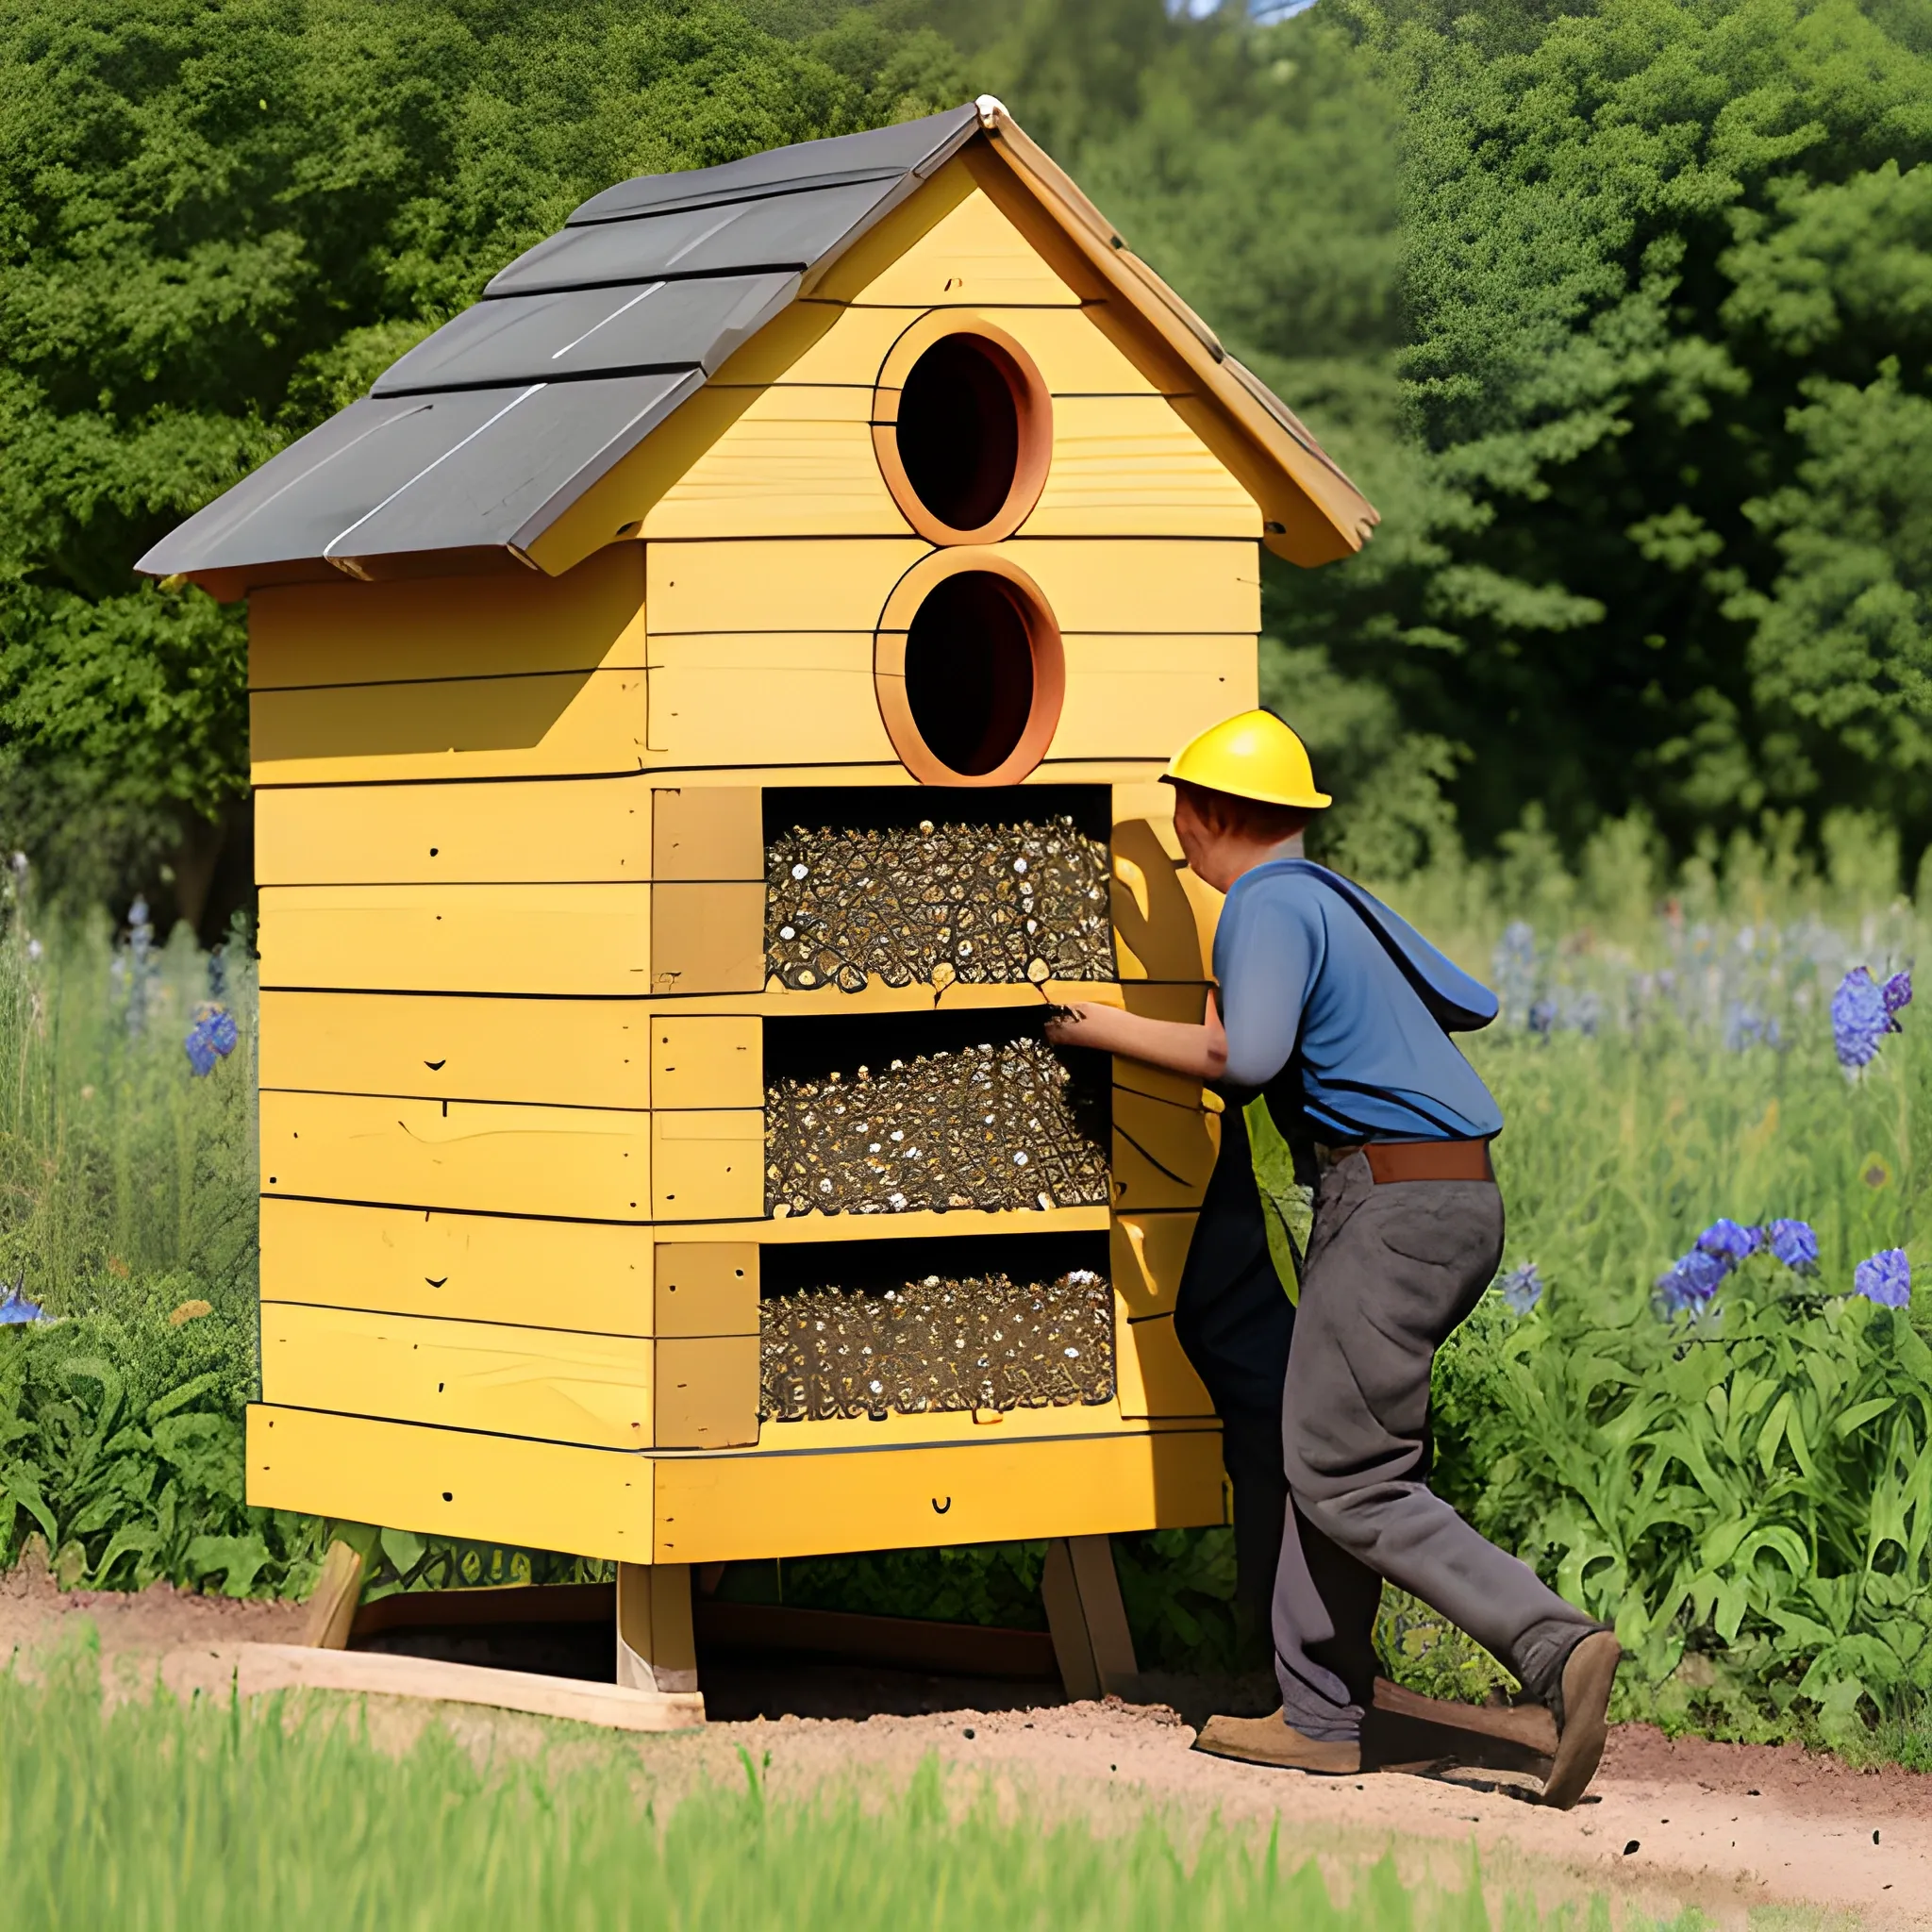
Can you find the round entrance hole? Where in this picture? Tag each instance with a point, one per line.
(971, 673)
(963, 427)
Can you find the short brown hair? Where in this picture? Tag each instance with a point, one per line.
(1228, 810)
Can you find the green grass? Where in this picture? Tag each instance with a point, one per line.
(210, 1816)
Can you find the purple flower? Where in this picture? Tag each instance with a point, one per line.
(1885, 1277)
(1687, 1285)
(1860, 1018)
(1728, 1242)
(1793, 1244)
(222, 1035)
(1522, 1288)
(1897, 992)
(16, 1312)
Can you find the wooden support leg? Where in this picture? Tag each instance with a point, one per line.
(332, 1607)
(655, 1647)
(1091, 1638)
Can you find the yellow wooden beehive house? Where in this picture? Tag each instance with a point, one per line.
(873, 467)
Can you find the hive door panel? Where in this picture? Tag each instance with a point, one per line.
(452, 1482)
(707, 1391)
(1154, 1376)
(580, 1162)
(1163, 916)
(707, 938)
(707, 832)
(579, 1275)
(561, 1053)
(1148, 1252)
(558, 723)
(773, 698)
(534, 832)
(708, 1061)
(526, 939)
(1140, 697)
(515, 624)
(1162, 1154)
(725, 1508)
(709, 1165)
(542, 1383)
(707, 1287)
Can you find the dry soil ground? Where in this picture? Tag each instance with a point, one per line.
(1734, 1829)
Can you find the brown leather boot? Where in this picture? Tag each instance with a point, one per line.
(1273, 1741)
(1582, 1709)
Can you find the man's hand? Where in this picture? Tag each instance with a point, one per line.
(1201, 1051)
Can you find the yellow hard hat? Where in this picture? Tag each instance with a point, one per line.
(1253, 755)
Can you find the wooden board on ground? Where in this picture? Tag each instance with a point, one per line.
(265, 1667)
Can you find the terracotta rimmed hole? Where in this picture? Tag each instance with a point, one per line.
(962, 425)
(969, 671)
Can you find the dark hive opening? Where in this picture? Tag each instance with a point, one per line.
(968, 671)
(958, 430)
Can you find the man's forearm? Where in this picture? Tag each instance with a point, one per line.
(1199, 1051)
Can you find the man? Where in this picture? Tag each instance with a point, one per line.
(1340, 1012)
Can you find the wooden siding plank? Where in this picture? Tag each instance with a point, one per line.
(715, 1061)
(707, 1288)
(1073, 358)
(438, 628)
(556, 725)
(707, 1391)
(733, 699)
(457, 939)
(709, 1165)
(973, 254)
(1130, 466)
(1146, 696)
(732, 1507)
(1187, 587)
(800, 462)
(452, 1482)
(595, 1276)
(586, 1163)
(532, 832)
(556, 1053)
(544, 1383)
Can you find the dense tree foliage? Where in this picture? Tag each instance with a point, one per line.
(1619, 309)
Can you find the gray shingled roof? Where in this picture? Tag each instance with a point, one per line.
(481, 436)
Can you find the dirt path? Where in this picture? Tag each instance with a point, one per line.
(1724, 1827)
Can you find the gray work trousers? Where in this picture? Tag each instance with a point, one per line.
(1391, 1271)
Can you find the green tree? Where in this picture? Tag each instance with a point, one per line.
(217, 224)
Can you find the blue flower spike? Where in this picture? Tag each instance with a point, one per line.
(1522, 1288)
(16, 1312)
(1885, 1277)
(1794, 1243)
(1862, 1014)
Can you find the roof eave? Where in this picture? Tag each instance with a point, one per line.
(1312, 513)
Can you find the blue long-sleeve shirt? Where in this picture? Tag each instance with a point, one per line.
(1343, 1019)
